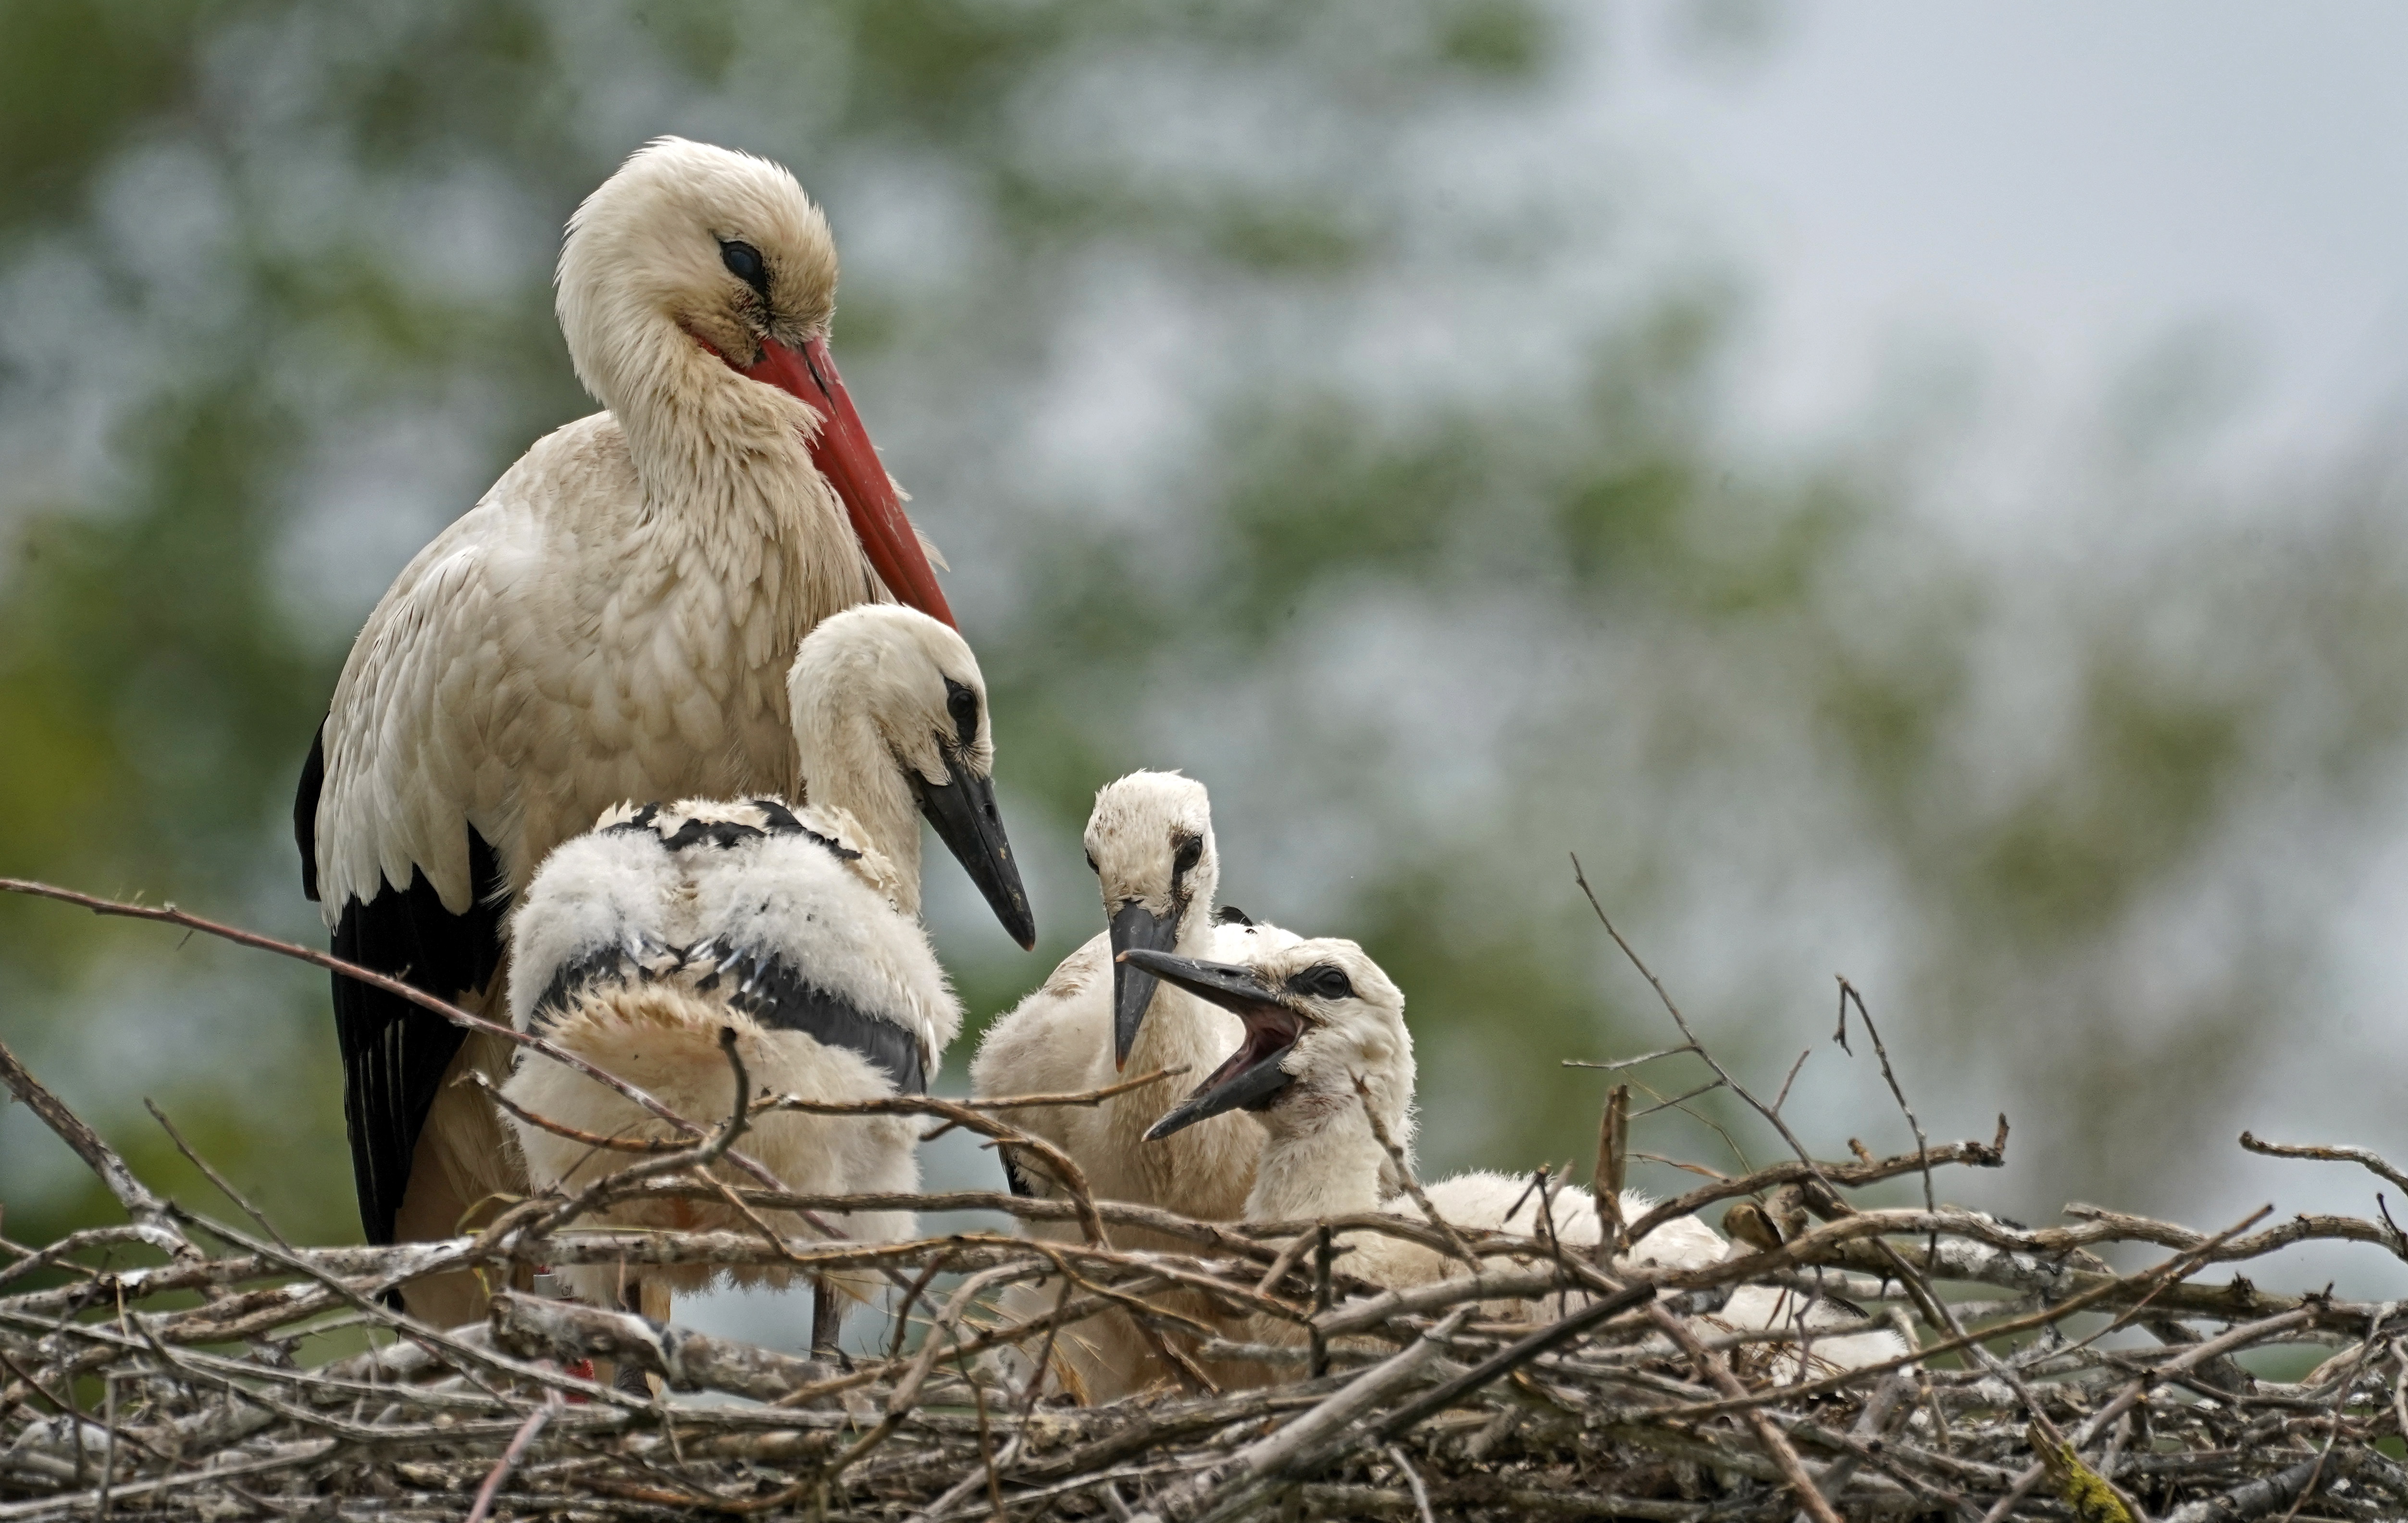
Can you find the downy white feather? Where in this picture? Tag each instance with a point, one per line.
(1062, 1039)
(641, 941)
(1335, 1035)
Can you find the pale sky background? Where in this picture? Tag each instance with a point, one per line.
(2055, 186)
(2040, 200)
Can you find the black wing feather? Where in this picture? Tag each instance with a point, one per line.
(774, 994)
(763, 988)
(305, 811)
(395, 1053)
(1013, 1179)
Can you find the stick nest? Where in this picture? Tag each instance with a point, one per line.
(174, 1367)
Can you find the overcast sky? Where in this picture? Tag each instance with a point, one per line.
(2058, 185)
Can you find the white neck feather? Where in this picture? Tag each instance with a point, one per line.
(697, 428)
(869, 694)
(846, 765)
(728, 473)
(1323, 1159)
(1320, 1160)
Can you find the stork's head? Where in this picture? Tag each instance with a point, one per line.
(696, 271)
(890, 712)
(1319, 1015)
(1150, 842)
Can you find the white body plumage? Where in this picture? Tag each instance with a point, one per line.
(1326, 1047)
(675, 944)
(1150, 836)
(795, 927)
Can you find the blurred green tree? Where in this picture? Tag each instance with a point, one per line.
(1245, 383)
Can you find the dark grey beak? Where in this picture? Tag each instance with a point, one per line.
(961, 810)
(1253, 1074)
(1135, 928)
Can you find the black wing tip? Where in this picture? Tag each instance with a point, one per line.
(395, 1054)
(1014, 1180)
(1229, 915)
(305, 811)
(641, 820)
(781, 996)
(781, 820)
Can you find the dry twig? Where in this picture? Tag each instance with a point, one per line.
(1545, 1384)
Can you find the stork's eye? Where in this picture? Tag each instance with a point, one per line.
(1091, 865)
(963, 706)
(1191, 852)
(1323, 981)
(743, 261)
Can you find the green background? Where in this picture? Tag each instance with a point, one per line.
(1423, 534)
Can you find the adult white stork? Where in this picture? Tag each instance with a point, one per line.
(639, 943)
(1320, 1017)
(1150, 842)
(613, 620)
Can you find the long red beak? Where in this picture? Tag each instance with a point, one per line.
(843, 454)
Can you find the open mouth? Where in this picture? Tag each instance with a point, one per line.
(1252, 1075)
(1270, 1031)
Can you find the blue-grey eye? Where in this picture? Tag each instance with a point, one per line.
(743, 261)
(1191, 852)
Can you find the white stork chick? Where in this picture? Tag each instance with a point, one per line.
(1320, 1016)
(642, 939)
(613, 620)
(1150, 842)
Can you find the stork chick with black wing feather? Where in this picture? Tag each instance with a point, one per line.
(796, 928)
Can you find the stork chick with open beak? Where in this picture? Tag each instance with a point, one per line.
(1321, 1018)
(613, 620)
(1098, 1019)
(796, 929)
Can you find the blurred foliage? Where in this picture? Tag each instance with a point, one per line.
(276, 277)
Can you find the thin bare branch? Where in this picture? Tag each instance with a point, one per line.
(2364, 1158)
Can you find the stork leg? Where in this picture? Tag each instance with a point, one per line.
(827, 1317)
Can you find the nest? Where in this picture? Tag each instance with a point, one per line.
(154, 1369)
